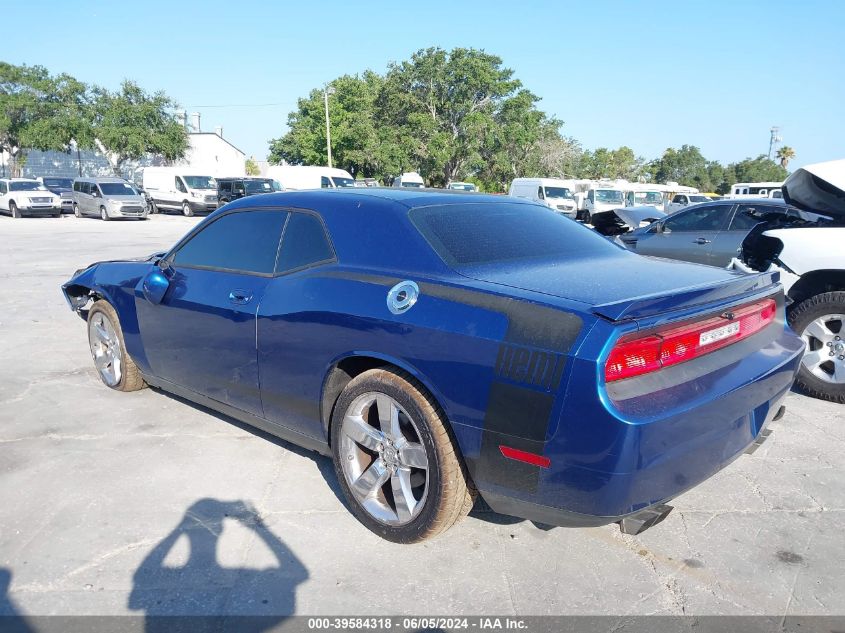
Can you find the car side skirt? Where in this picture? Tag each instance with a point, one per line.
(277, 430)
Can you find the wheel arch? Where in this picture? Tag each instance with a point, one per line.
(817, 282)
(344, 368)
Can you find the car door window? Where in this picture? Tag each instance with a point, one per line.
(180, 185)
(540, 193)
(246, 241)
(2, 188)
(325, 183)
(226, 186)
(709, 218)
(747, 216)
(304, 243)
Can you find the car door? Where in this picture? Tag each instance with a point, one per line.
(202, 334)
(744, 218)
(687, 235)
(294, 337)
(4, 196)
(86, 199)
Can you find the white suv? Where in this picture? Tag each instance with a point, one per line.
(809, 253)
(23, 196)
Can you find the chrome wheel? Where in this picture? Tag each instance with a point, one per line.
(825, 353)
(105, 348)
(76, 211)
(383, 459)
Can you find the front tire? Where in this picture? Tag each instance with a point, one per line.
(104, 215)
(397, 463)
(820, 321)
(13, 209)
(187, 211)
(115, 367)
(76, 211)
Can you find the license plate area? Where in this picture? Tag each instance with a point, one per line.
(718, 334)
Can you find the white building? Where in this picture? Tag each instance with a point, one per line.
(210, 154)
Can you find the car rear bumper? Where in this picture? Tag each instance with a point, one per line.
(619, 456)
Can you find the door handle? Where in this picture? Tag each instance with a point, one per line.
(240, 297)
(701, 240)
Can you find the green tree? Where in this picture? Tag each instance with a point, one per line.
(759, 169)
(251, 167)
(40, 111)
(130, 123)
(358, 144)
(785, 154)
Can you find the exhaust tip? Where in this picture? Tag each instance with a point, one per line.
(639, 522)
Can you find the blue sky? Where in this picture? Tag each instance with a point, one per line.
(650, 75)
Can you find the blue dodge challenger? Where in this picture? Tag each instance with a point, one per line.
(443, 345)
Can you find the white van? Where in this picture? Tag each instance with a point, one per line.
(298, 177)
(552, 192)
(409, 179)
(756, 190)
(174, 189)
(603, 198)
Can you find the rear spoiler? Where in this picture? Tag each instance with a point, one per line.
(685, 298)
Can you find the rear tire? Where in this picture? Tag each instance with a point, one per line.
(187, 211)
(13, 209)
(115, 367)
(820, 321)
(441, 490)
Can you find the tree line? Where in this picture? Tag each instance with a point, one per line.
(46, 112)
(450, 115)
(461, 115)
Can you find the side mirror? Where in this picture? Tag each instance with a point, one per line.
(156, 283)
(95, 193)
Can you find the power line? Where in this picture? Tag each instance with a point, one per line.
(241, 105)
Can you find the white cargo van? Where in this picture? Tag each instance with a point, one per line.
(298, 177)
(756, 190)
(174, 189)
(603, 198)
(409, 179)
(552, 192)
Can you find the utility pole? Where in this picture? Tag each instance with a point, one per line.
(328, 91)
(774, 139)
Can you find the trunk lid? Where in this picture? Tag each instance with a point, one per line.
(625, 285)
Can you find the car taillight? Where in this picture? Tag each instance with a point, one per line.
(638, 354)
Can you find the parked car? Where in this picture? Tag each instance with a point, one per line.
(551, 192)
(299, 177)
(462, 186)
(24, 196)
(229, 189)
(436, 344)
(806, 249)
(625, 219)
(62, 187)
(107, 198)
(683, 200)
(601, 198)
(178, 189)
(709, 233)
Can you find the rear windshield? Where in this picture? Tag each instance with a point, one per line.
(488, 233)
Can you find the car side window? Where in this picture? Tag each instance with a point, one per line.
(708, 218)
(86, 188)
(540, 193)
(226, 186)
(179, 185)
(679, 199)
(747, 216)
(325, 183)
(2, 187)
(246, 241)
(304, 243)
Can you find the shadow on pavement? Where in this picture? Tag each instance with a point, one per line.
(11, 620)
(175, 596)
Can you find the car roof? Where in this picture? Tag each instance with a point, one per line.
(370, 227)
(101, 179)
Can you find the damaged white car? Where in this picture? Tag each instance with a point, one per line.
(809, 252)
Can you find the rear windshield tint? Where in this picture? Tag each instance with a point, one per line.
(487, 233)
